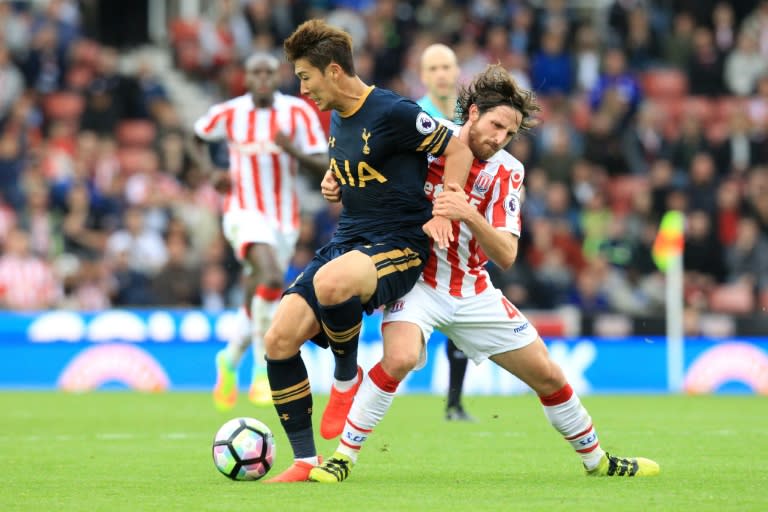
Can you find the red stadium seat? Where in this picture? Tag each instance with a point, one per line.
(136, 133)
(65, 106)
(735, 299)
(664, 83)
(184, 30)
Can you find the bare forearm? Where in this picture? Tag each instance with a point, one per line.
(198, 151)
(499, 246)
(458, 161)
(316, 163)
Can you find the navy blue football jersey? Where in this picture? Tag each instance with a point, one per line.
(379, 155)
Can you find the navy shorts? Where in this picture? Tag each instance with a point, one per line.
(399, 262)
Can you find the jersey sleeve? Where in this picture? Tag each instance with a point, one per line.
(310, 136)
(215, 124)
(503, 211)
(417, 130)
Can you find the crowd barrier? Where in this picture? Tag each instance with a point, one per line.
(172, 350)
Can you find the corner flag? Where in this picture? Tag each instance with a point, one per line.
(669, 240)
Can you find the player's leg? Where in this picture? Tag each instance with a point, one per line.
(408, 321)
(295, 321)
(342, 286)
(402, 351)
(376, 274)
(228, 359)
(488, 325)
(457, 369)
(228, 362)
(264, 289)
(566, 413)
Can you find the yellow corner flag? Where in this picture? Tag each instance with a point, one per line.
(669, 240)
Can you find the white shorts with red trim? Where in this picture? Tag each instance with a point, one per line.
(481, 326)
(242, 228)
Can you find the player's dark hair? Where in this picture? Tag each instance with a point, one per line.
(320, 44)
(493, 88)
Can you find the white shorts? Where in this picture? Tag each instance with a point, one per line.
(242, 228)
(481, 326)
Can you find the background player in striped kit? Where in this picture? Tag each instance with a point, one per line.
(269, 135)
(455, 295)
(440, 75)
(378, 147)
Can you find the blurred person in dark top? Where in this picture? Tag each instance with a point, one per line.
(702, 255)
(551, 68)
(617, 88)
(111, 96)
(705, 67)
(178, 281)
(745, 259)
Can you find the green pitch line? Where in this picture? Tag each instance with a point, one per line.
(134, 452)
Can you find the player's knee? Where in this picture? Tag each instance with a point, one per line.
(550, 378)
(331, 288)
(279, 343)
(273, 281)
(400, 363)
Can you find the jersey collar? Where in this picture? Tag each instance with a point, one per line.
(359, 103)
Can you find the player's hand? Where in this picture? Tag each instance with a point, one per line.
(330, 187)
(221, 181)
(283, 141)
(439, 229)
(452, 203)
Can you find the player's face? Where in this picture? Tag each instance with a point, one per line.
(261, 79)
(315, 84)
(492, 131)
(440, 73)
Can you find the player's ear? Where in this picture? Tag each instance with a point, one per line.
(474, 113)
(333, 70)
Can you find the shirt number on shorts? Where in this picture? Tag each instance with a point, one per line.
(512, 311)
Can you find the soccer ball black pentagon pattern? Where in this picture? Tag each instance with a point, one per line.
(243, 449)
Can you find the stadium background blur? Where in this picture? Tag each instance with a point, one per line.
(648, 106)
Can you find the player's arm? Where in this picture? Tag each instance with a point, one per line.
(209, 128)
(458, 160)
(314, 162)
(500, 246)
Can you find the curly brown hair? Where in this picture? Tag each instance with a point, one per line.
(320, 44)
(495, 87)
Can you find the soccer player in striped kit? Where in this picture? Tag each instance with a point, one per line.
(269, 135)
(455, 295)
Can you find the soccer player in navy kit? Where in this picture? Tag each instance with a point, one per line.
(378, 147)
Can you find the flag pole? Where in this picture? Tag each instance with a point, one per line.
(667, 253)
(674, 324)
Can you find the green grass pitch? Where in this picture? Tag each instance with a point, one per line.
(120, 451)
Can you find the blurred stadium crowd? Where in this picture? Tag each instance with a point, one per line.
(647, 106)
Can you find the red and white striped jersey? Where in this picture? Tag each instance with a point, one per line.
(27, 284)
(263, 176)
(493, 186)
